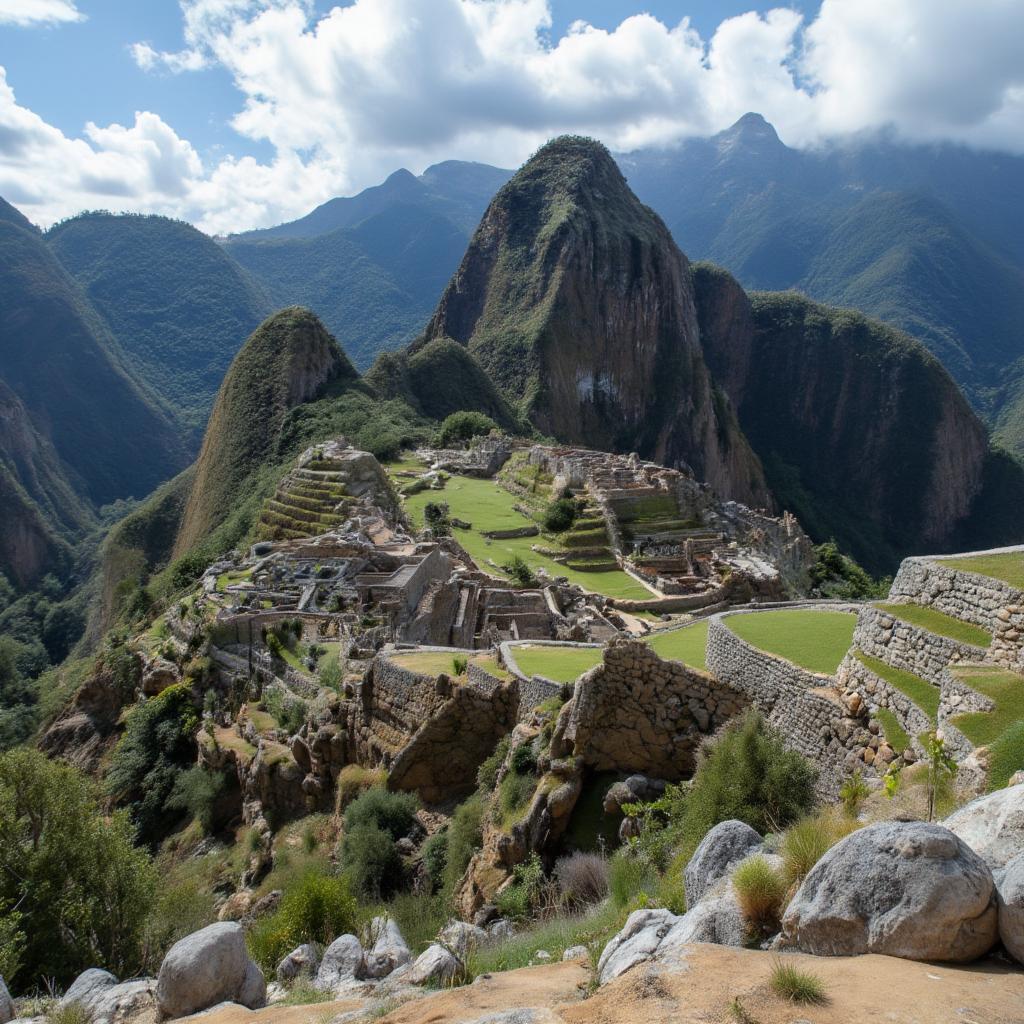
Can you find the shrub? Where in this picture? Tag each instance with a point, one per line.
(798, 986)
(330, 675)
(371, 860)
(393, 813)
(436, 517)
(628, 877)
(73, 1013)
(419, 917)
(518, 900)
(315, 908)
(806, 841)
(465, 834)
(181, 908)
(853, 792)
(524, 759)
(760, 891)
(462, 426)
(749, 775)
(12, 941)
(560, 515)
(459, 664)
(519, 570)
(82, 889)
(514, 795)
(582, 879)
(435, 859)
(354, 780)
(487, 773)
(198, 791)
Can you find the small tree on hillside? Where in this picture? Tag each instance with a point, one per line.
(435, 515)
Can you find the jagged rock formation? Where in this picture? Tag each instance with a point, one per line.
(290, 359)
(575, 299)
(863, 434)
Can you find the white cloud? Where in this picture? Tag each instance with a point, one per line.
(346, 97)
(36, 12)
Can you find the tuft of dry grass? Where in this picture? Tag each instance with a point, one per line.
(789, 982)
(761, 893)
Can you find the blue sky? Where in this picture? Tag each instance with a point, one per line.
(241, 113)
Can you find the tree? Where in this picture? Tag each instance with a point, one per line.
(435, 515)
(463, 426)
(82, 889)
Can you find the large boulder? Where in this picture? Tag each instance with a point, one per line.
(7, 1011)
(436, 966)
(208, 967)
(639, 940)
(906, 889)
(343, 962)
(389, 951)
(88, 989)
(462, 937)
(304, 959)
(992, 826)
(127, 1002)
(719, 851)
(717, 918)
(1011, 907)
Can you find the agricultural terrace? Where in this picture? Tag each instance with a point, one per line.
(688, 645)
(920, 691)
(560, 664)
(433, 663)
(813, 639)
(938, 623)
(1007, 566)
(487, 507)
(1001, 729)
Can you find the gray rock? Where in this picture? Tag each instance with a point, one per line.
(721, 849)
(88, 988)
(343, 962)
(436, 965)
(7, 1011)
(389, 950)
(304, 959)
(208, 967)
(500, 929)
(462, 938)
(638, 941)
(485, 915)
(717, 918)
(576, 953)
(253, 992)
(906, 889)
(992, 826)
(125, 1002)
(1011, 907)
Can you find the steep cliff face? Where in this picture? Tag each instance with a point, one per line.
(288, 360)
(862, 433)
(575, 299)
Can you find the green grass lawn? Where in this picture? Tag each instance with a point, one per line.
(919, 690)
(294, 658)
(562, 664)
(433, 663)
(687, 645)
(226, 579)
(938, 623)
(1002, 729)
(814, 640)
(895, 734)
(1008, 567)
(489, 507)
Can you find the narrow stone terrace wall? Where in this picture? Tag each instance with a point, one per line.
(964, 595)
(638, 713)
(906, 646)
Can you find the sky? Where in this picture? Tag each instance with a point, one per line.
(235, 114)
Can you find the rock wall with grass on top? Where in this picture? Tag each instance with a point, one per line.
(635, 712)
(909, 647)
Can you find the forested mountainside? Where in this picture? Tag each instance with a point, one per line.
(177, 304)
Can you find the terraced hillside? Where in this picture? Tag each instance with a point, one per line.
(307, 502)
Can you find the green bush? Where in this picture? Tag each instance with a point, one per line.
(372, 861)
(354, 780)
(82, 889)
(465, 834)
(520, 572)
(487, 773)
(158, 745)
(463, 426)
(393, 813)
(181, 908)
(560, 515)
(459, 665)
(628, 877)
(435, 859)
(519, 900)
(437, 519)
(760, 892)
(315, 908)
(197, 792)
(524, 759)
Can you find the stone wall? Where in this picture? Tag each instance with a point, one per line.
(637, 713)
(909, 647)
(964, 595)
(804, 707)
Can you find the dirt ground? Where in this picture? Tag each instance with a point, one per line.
(704, 990)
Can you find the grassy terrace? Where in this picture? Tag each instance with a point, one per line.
(894, 732)
(227, 579)
(938, 623)
(489, 507)
(562, 664)
(432, 663)
(919, 690)
(687, 645)
(814, 640)
(1008, 567)
(1002, 729)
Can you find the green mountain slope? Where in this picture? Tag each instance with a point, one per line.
(178, 305)
(60, 360)
(577, 303)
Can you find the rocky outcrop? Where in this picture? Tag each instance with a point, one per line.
(303, 960)
(906, 889)
(575, 299)
(871, 441)
(992, 826)
(208, 967)
(344, 961)
(1010, 886)
(7, 1010)
(436, 966)
(719, 852)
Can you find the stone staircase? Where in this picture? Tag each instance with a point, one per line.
(946, 652)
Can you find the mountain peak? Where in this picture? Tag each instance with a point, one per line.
(750, 129)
